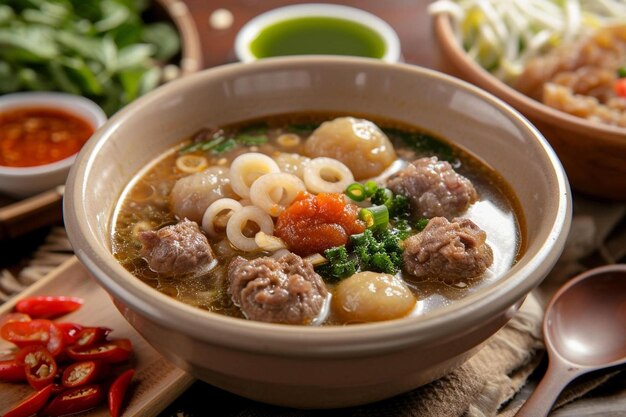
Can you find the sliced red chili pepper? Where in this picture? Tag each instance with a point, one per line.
(39, 365)
(12, 371)
(118, 390)
(620, 87)
(113, 351)
(48, 306)
(74, 400)
(70, 332)
(31, 404)
(84, 373)
(57, 389)
(13, 317)
(35, 332)
(90, 336)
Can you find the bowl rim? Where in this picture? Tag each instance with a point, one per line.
(74, 104)
(250, 30)
(528, 106)
(332, 341)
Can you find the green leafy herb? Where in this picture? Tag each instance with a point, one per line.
(251, 140)
(99, 49)
(302, 128)
(423, 143)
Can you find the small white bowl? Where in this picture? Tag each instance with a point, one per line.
(22, 182)
(253, 28)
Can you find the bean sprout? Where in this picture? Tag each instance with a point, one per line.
(503, 35)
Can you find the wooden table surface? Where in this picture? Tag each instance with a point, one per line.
(407, 17)
(410, 20)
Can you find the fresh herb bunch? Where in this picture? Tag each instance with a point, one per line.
(101, 49)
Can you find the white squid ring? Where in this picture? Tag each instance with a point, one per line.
(218, 206)
(274, 192)
(246, 168)
(238, 221)
(317, 170)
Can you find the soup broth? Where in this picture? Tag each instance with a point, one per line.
(146, 204)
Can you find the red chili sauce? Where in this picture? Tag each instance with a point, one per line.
(38, 136)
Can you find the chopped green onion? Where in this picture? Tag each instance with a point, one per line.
(370, 188)
(251, 140)
(356, 192)
(421, 224)
(621, 72)
(375, 216)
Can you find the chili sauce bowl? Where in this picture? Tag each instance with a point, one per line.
(318, 366)
(317, 29)
(24, 181)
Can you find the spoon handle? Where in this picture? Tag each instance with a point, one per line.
(541, 400)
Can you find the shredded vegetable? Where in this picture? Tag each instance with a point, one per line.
(502, 35)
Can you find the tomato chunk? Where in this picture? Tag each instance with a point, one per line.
(620, 87)
(31, 404)
(314, 223)
(117, 392)
(48, 306)
(39, 365)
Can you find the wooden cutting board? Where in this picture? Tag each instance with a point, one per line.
(156, 383)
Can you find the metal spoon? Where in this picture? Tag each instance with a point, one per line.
(584, 329)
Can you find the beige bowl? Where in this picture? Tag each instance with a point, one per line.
(317, 367)
(593, 154)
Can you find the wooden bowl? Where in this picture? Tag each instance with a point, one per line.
(593, 154)
(191, 58)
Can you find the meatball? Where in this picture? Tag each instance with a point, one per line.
(358, 143)
(448, 251)
(371, 296)
(282, 290)
(433, 188)
(179, 249)
(192, 195)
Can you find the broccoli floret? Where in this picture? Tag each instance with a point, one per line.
(382, 196)
(421, 224)
(398, 207)
(378, 252)
(397, 204)
(402, 229)
(339, 266)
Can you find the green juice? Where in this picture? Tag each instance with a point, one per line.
(318, 35)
